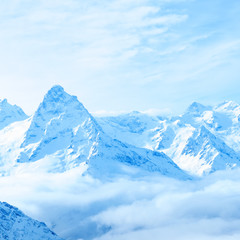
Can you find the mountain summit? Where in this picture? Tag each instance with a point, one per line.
(57, 107)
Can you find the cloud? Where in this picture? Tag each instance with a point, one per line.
(124, 208)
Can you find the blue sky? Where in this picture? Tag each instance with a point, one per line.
(121, 55)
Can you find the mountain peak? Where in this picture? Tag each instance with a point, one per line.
(57, 100)
(55, 120)
(197, 107)
(228, 105)
(56, 93)
(56, 89)
(3, 101)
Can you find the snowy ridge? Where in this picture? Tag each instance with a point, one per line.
(202, 140)
(134, 128)
(15, 225)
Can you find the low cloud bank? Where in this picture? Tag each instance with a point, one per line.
(78, 207)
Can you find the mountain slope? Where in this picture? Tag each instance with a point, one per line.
(15, 225)
(134, 128)
(200, 152)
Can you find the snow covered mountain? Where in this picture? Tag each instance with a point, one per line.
(202, 140)
(15, 225)
(10, 113)
(224, 122)
(200, 152)
(62, 135)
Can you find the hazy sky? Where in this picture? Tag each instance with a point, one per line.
(121, 55)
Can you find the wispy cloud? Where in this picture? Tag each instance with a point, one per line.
(143, 50)
(77, 41)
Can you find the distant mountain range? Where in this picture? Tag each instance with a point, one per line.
(62, 135)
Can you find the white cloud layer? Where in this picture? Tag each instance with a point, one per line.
(148, 208)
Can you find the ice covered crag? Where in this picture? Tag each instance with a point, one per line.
(62, 135)
(15, 225)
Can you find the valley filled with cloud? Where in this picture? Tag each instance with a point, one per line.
(79, 207)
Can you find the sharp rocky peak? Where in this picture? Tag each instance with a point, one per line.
(196, 107)
(57, 102)
(56, 97)
(56, 93)
(59, 112)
